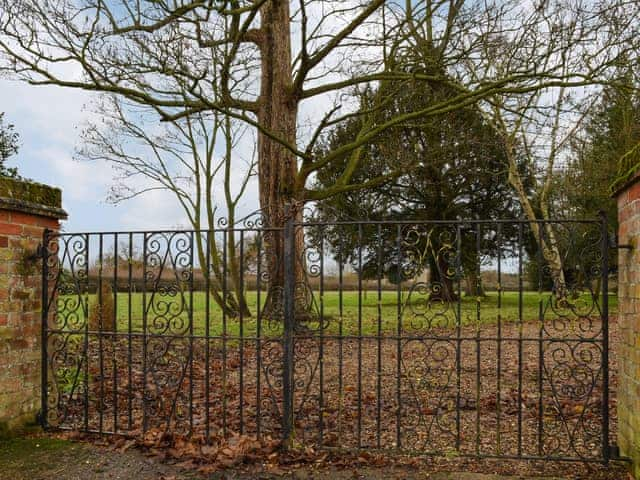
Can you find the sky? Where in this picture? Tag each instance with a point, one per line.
(50, 120)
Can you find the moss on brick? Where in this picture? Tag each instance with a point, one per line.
(30, 192)
(31, 198)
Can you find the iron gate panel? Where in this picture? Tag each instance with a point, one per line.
(356, 335)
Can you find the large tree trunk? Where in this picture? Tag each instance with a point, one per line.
(277, 165)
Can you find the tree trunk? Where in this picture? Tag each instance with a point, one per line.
(473, 287)
(545, 236)
(277, 165)
(214, 277)
(442, 285)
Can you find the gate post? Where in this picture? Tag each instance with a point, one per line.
(628, 197)
(27, 209)
(289, 325)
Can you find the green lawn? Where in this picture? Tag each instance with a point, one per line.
(360, 313)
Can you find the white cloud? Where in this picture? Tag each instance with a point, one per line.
(54, 112)
(49, 120)
(153, 210)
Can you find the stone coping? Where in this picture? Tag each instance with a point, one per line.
(626, 185)
(32, 208)
(31, 197)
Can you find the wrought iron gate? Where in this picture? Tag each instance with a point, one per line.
(458, 337)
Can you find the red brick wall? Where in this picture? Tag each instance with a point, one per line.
(629, 324)
(20, 316)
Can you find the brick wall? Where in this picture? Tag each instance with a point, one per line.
(629, 323)
(22, 223)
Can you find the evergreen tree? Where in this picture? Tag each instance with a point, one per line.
(454, 171)
(609, 140)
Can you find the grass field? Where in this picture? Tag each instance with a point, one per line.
(361, 313)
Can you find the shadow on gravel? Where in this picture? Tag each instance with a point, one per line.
(48, 458)
(43, 458)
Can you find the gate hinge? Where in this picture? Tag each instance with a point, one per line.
(614, 451)
(613, 243)
(40, 419)
(39, 254)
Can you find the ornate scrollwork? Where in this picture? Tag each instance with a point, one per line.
(168, 271)
(428, 412)
(575, 312)
(403, 358)
(573, 410)
(166, 401)
(66, 380)
(433, 248)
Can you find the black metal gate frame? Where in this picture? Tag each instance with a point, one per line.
(68, 343)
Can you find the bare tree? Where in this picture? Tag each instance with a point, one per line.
(271, 63)
(537, 127)
(179, 157)
(537, 133)
(9, 143)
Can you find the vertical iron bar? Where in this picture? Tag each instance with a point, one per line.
(289, 325)
(207, 335)
(86, 336)
(359, 335)
(144, 332)
(258, 333)
(399, 341)
(605, 336)
(499, 344)
(191, 286)
(44, 330)
(225, 238)
(241, 321)
(100, 309)
(129, 336)
(520, 319)
(379, 359)
(340, 343)
(114, 337)
(478, 345)
(321, 348)
(458, 336)
(540, 260)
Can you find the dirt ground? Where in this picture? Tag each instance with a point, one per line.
(234, 390)
(506, 398)
(46, 457)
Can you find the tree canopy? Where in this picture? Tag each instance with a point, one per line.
(454, 169)
(606, 145)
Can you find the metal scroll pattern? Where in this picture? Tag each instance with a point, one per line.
(573, 348)
(168, 327)
(400, 335)
(135, 344)
(66, 276)
(428, 400)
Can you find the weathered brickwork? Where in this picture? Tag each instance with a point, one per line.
(22, 222)
(629, 324)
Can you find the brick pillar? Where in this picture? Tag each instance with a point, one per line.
(26, 209)
(628, 197)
